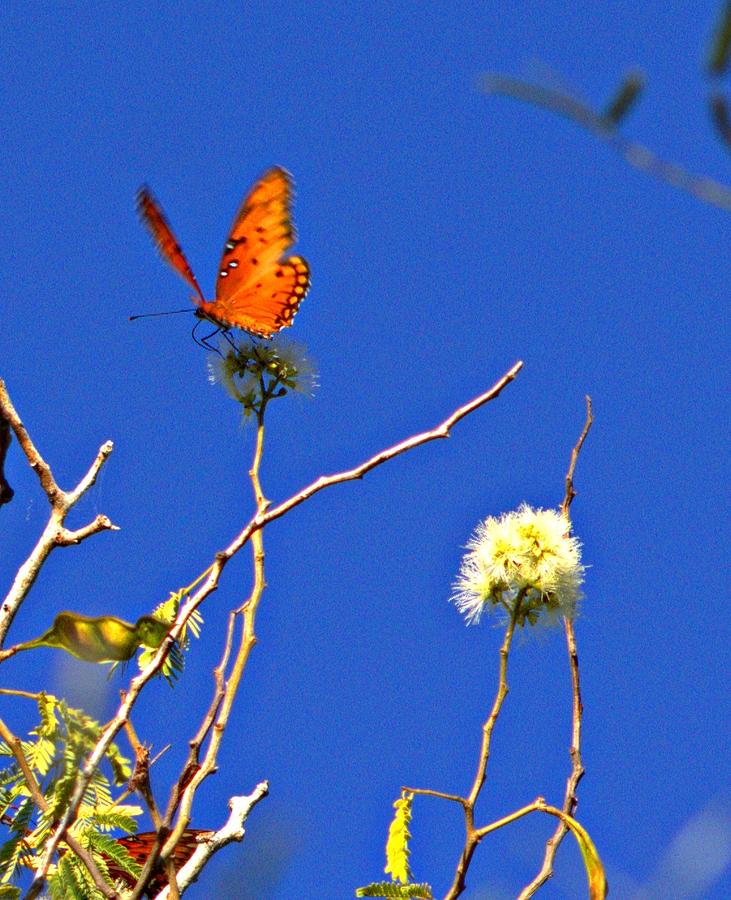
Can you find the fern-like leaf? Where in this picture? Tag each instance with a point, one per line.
(392, 891)
(397, 845)
(167, 612)
(109, 849)
(16, 848)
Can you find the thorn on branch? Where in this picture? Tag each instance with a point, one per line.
(6, 492)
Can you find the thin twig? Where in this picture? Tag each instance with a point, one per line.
(473, 835)
(509, 819)
(61, 502)
(140, 780)
(638, 156)
(441, 431)
(427, 792)
(570, 492)
(36, 461)
(14, 692)
(36, 794)
(571, 800)
(192, 763)
(210, 584)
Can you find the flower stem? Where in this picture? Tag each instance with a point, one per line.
(473, 836)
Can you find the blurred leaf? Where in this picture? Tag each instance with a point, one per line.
(718, 55)
(625, 98)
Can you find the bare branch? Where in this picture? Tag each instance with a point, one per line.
(54, 534)
(441, 431)
(427, 792)
(90, 478)
(473, 836)
(65, 538)
(248, 612)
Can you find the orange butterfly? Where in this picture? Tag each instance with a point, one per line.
(258, 288)
(139, 845)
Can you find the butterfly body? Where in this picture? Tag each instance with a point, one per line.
(258, 288)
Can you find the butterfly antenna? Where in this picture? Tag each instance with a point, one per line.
(171, 312)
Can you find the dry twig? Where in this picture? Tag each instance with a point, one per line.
(262, 517)
(191, 778)
(55, 534)
(570, 801)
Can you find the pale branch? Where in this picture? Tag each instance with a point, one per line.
(55, 534)
(66, 538)
(538, 803)
(233, 830)
(702, 188)
(165, 840)
(571, 799)
(192, 763)
(211, 584)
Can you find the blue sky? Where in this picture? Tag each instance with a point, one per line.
(449, 234)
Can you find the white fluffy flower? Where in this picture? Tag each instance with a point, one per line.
(254, 372)
(524, 558)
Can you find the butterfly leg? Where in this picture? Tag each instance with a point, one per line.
(204, 341)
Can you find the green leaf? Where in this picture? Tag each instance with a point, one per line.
(9, 892)
(110, 849)
(167, 612)
(16, 849)
(397, 844)
(116, 818)
(66, 883)
(594, 869)
(40, 755)
(392, 891)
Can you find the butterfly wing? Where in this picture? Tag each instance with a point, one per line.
(258, 288)
(153, 217)
(139, 845)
